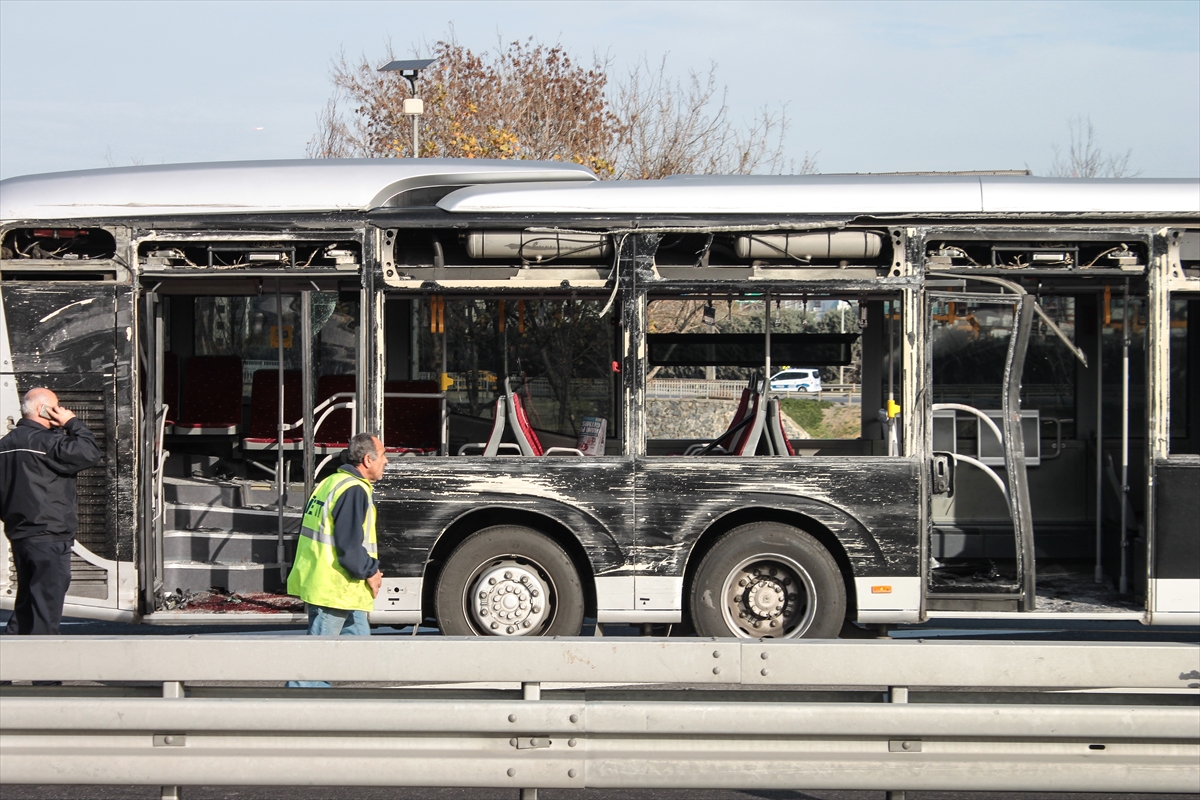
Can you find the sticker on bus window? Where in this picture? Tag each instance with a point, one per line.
(287, 336)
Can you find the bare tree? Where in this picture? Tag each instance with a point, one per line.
(333, 138)
(529, 100)
(1085, 158)
(678, 127)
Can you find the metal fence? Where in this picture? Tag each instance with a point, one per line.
(603, 713)
(690, 388)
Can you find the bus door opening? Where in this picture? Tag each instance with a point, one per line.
(252, 388)
(1037, 421)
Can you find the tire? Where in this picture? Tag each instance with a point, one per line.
(493, 582)
(749, 577)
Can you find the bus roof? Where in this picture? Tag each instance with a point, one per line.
(838, 194)
(299, 185)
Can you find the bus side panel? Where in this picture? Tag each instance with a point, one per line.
(870, 506)
(1177, 537)
(74, 338)
(421, 499)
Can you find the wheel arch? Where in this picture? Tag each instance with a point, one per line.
(807, 519)
(560, 532)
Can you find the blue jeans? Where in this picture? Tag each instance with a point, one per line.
(324, 621)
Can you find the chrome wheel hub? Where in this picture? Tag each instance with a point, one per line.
(508, 600)
(765, 598)
(768, 596)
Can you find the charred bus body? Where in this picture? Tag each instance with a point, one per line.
(1023, 390)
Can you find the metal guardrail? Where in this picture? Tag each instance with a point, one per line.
(835, 715)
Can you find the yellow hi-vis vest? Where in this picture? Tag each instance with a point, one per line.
(316, 577)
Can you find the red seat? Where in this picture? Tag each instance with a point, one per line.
(264, 410)
(776, 433)
(732, 430)
(744, 431)
(212, 396)
(527, 437)
(412, 424)
(493, 445)
(745, 441)
(335, 431)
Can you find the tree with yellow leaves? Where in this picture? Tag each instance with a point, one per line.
(528, 101)
(531, 101)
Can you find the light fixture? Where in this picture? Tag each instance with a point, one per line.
(413, 106)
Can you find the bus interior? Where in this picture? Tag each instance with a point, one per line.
(256, 382)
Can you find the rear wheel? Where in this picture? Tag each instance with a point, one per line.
(767, 580)
(509, 581)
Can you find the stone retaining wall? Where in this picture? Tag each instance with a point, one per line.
(698, 419)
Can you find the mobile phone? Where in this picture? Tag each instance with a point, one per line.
(44, 411)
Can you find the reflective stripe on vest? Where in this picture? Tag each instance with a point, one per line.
(316, 576)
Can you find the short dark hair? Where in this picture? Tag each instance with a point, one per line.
(361, 445)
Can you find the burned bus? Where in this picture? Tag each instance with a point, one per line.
(572, 378)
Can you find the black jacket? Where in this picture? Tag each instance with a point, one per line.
(37, 478)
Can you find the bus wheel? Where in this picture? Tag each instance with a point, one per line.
(509, 581)
(767, 580)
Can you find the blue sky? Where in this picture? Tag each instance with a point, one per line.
(867, 86)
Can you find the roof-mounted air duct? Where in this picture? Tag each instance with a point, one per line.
(537, 246)
(837, 244)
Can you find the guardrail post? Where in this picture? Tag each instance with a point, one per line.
(530, 691)
(897, 694)
(172, 690)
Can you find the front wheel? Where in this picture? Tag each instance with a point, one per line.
(509, 581)
(767, 580)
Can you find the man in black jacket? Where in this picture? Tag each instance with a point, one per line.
(39, 460)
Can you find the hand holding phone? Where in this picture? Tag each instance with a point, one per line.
(57, 415)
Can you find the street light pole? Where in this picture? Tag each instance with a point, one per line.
(413, 106)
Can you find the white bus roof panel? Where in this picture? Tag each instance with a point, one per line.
(835, 194)
(1095, 195)
(300, 185)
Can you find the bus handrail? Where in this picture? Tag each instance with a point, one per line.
(974, 461)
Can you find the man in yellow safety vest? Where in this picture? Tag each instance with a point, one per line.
(336, 570)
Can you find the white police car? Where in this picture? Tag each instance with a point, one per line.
(796, 380)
